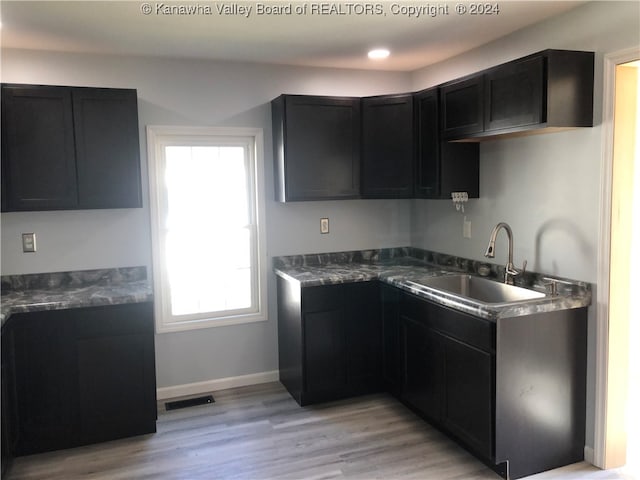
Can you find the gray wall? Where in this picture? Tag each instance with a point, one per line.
(181, 92)
(546, 187)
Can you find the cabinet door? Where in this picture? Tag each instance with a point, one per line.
(462, 107)
(324, 360)
(391, 347)
(442, 167)
(9, 401)
(428, 144)
(45, 376)
(387, 146)
(107, 147)
(316, 147)
(114, 348)
(468, 394)
(514, 95)
(38, 153)
(423, 371)
(362, 336)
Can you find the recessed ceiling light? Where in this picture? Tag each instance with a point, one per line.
(378, 53)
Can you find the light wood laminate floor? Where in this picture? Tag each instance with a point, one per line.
(259, 432)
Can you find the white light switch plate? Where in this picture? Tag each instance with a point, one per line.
(28, 242)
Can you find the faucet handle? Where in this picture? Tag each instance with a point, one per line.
(524, 267)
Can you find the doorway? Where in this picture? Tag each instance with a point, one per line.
(617, 429)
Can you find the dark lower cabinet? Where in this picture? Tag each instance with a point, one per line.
(449, 364)
(329, 340)
(511, 391)
(468, 390)
(392, 363)
(423, 369)
(8, 406)
(114, 354)
(80, 376)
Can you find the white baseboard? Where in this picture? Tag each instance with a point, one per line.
(589, 455)
(208, 386)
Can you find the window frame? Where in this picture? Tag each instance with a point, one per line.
(158, 137)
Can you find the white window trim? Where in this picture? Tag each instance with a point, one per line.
(155, 144)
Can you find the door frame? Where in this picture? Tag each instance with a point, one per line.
(600, 456)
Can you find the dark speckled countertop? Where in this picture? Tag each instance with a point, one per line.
(62, 290)
(402, 267)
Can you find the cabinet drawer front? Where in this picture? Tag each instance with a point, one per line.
(111, 320)
(472, 330)
(322, 298)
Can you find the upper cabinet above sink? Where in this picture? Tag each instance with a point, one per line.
(423, 144)
(547, 91)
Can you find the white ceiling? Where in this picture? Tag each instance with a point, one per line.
(339, 39)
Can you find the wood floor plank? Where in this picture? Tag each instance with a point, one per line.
(259, 432)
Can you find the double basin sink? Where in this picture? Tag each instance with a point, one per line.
(477, 289)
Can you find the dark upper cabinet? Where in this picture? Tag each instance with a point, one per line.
(462, 107)
(388, 150)
(69, 148)
(316, 147)
(547, 91)
(38, 150)
(514, 95)
(107, 148)
(441, 167)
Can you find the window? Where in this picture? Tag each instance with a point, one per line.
(206, 219)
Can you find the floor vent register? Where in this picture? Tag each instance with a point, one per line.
(189, 402)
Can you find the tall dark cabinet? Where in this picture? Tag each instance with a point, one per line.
(316, 143)
(388, 148)
(69, 148)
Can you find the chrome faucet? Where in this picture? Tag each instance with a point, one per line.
(509, 270)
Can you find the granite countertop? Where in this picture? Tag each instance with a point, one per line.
(62, 290)
(400, 267)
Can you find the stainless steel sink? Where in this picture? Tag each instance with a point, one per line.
(479, 289)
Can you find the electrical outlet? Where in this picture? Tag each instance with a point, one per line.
(28, 242)
(324, 225)
(466, 228)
